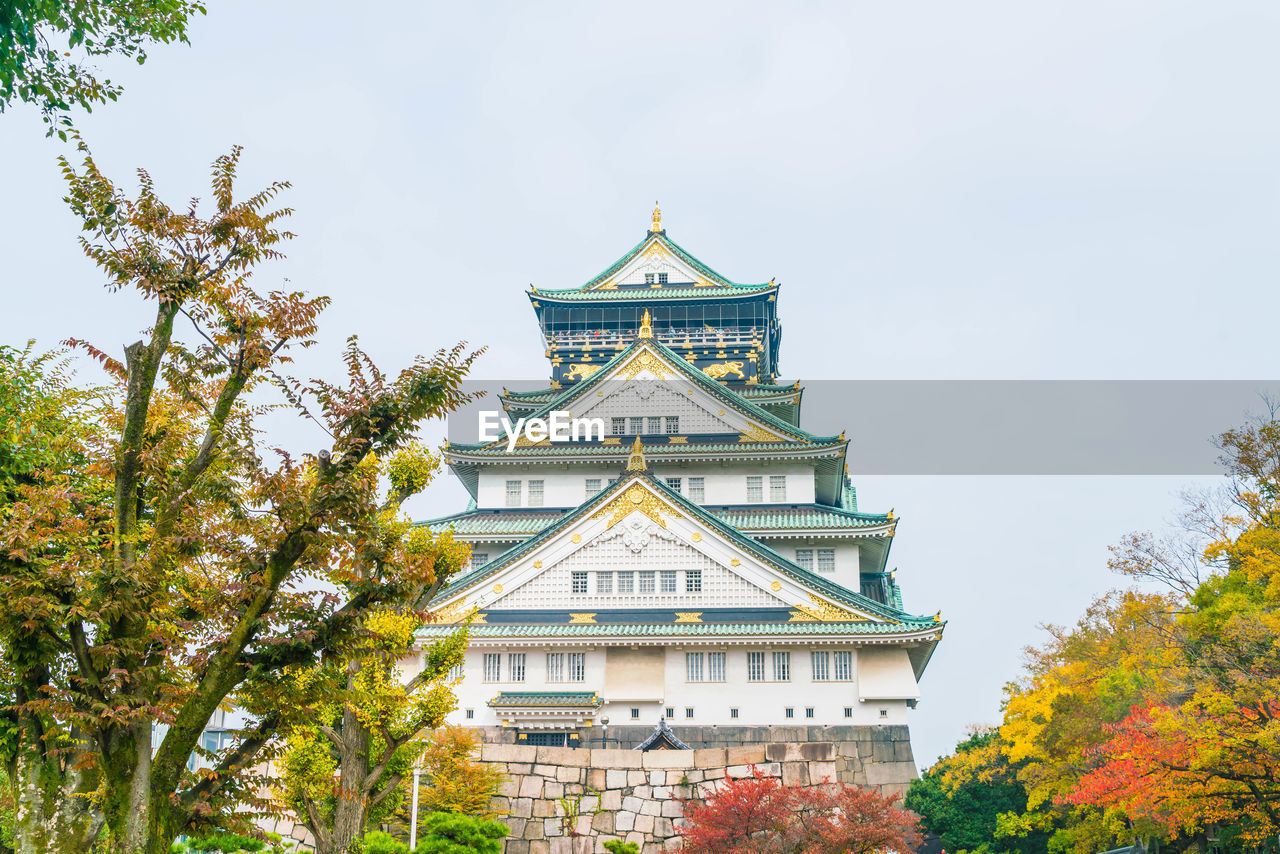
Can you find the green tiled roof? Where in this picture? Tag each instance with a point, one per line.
(676, 448)
(547, 699)
(909, 624)
(543, 395)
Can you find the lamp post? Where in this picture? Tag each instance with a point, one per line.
(604, 732)
(413, 815)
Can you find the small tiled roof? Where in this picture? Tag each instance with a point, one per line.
(546, 699)
(662, 738)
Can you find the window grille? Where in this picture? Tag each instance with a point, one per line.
(535, 493)
(635, 713)
(492, 667)
(655, 424)
(593, 486)
(693, 581)
(777, 488)
(646, 581)
(782, 667)
(668, 578)
(844, 666)
(662, 278)
(671, 713)
(471, 713)
(648, 278)
(884, 713)
(674, 483)
(791, 713)
(715, 666)
(626, 583)
(848, 711)
(604, 582)
(819, 662)
(733, 713)
(578, 583)
(804, 559)
(637, 425)
(515, 666)
(688, 711)
(577, 666)
(693, 666)
(808, 712)
(673, 423)
(755, 489)
(455, 673)
(697, 489)
(555, 667)
(479, 559)
(826, 560)
(755, 667)
(618, 426)
(513, 493)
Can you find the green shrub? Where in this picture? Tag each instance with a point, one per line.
(377, 842)
(617, 846)
(448, 833)
(227, 843)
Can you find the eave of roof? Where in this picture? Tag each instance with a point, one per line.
(914, 626)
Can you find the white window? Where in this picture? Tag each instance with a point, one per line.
(673, 423)
(626, 582)
(844, 666)
(637, 425)
(648, 278)
(693, 666)
(535, 493)
(646, 580)
(819, 661)
(492, 667)
(804, 559)
(777, 488)
(755, 667)
(618, 426)
(782, 667)
(826, 560)
(755, 489)
(674, 483)
(513, 493)
(515, 666)
(577, 666)
(655, 424)
(479, 559)
(670, 712)
(593, 486)
(693, 581)
(668, 578)
(604, 582)
(555, 667)
(697, 489)
(455, 673)
(578, 581)
(715, 667)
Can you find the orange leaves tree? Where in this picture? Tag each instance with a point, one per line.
(759, 815)
(162, 558)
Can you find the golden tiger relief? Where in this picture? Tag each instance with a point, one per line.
(581, 372)
(724, 369)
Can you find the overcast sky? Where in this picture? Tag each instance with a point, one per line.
(946, 191)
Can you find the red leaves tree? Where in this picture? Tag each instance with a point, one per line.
(759, 815)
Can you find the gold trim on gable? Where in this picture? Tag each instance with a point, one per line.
(644, 361)
(755, 433)
(822, 611)
(582, 618)
(688, 616)
(636, 497)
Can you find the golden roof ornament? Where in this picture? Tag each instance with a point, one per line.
(646, 326)
(656, 226)
(636, 461)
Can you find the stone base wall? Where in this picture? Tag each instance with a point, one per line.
(637, 797)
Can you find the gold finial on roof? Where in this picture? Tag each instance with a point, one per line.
(656, 226)
(890, 513)
(636, 461)
(646, 325)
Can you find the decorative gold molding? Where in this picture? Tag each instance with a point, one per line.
(756, 433)
(636, 497)
(697, 537)
(577, 538)
(497, 588)
(582, 618)
(688, 616)
(677, 440)
(723, 369)
(735, 562)
(775, 586)
(644, 360)
(646, 326)
(636, 461)
(822, 611)
(581, 371)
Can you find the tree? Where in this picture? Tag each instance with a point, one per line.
(46, 45)
(759, 815)
(452, 780)
(450, 833)
(166, 557)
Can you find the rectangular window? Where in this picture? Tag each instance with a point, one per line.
(674, 483)
(693, 581)
(637, 425)
(635, 713)
(848, 711)
(662, 278)
(697, 489)
(782, 667)
(884, 713)
(492, 667)
(577, 666)
(808, 712)
(612, 481)
(693, 666)
(513, 493)
(755, 489)
(479, 559)
(671, 713)
(733, 713)
(617, 426)
(455, 673)
(715, 666)
(535, 493)
(655, 424)
(515, 666)
(593, 486)
(755, 667)
(646, 580)
(626, 582)
(688, 712)
(555, 667)
(673, 423)
(844, 666)
(578, 581)
(777, 488)
(604, 582)
(819, 662)
(826, 560)
(668, 581)
(791, 713)
(471, 713)
(648, 278)
(804, 559)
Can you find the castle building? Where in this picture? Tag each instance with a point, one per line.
(703, 562)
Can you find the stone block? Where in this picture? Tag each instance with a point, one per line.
(643, 792)
(636, 836)
(819, 771)
(517, 826)
(551, 827)
(573, 788)
(613, 758)
(543, 809)
(562, 756)
(818, 751)
(662, 827)
(517, 846)
(583, 824)
(533, 830)
(611, 800)
(520, 767)
(615, 778)
(668, 759)
(624, 821)
(570, 774)
(602, 822)
(631, 803)
(673, 843)
(561, 845)
(672, 809)
(540, 846)
(657, 778)
(544, 770)
(596, 778)
(650, 808)
(510, 786)
(747, 754)
(552, 790)
(651, 848)
(795, 774)
(644, 823)
(636, 778)
(890, 773)
(507, 753)
(299, 832)
(709, 757)
(531, 787)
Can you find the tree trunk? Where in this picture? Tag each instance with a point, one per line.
(54, 814)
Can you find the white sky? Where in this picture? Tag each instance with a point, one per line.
(946, 190)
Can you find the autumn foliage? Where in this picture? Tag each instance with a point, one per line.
(759, 815)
